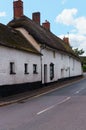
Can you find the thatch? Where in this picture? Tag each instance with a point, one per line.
(41, 35)
(14, 39)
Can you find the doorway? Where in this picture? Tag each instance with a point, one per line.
(45, 73)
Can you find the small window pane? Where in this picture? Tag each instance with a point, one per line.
(51, 71)
(12, 68)
(26, 68)
(35, 68)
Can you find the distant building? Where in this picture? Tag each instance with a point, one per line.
(31, 55)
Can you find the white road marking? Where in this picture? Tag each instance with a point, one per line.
(64, 100)
(47, 109)
(79, 91)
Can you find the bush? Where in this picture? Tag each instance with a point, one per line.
(84, 68)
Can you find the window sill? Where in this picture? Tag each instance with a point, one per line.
(26, 73)
(51, 78)
(12, 73)
(35, 72)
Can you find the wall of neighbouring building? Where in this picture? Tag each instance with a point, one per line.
(64, 66)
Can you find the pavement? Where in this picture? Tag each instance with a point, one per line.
(38, 92)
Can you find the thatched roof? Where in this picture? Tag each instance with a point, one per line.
(41, 35)
(14, 39)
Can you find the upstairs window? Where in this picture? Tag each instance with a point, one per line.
(34, 68)
(12, 68)
(26, 68)
(54, 54)
(62, 56)
(73, 64)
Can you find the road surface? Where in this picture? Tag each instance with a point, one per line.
(62, 109)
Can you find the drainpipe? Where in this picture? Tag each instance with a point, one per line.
(41, 48)
(41, 67)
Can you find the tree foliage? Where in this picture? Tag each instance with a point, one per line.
(78, 52)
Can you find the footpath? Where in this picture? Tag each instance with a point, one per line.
(37, 92)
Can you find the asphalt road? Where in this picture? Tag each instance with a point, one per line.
(62, 109)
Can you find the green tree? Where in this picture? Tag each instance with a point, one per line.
(78, 52)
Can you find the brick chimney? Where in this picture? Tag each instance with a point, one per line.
(36, 17)
(66, 40)
(46, 25)
(18, 8)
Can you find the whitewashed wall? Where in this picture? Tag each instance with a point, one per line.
(8, 55)
(64, 65)
(47, 58)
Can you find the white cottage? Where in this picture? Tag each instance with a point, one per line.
(32, 54)
(19, 62)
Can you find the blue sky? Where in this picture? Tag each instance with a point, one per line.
(65, 16)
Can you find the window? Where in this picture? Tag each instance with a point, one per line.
(54, 54)
(62, 56)
(26, 68)
(73, 64)
(51, 71)
(34, 68)
(12, 68)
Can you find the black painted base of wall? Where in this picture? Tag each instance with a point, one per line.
(70, 78)
(8, 90)
(63, 80)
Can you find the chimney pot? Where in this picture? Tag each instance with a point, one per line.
(18, 8)
(66, 40)
(46, 25)
(36, 17)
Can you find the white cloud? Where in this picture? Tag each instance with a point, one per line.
(2, 14)
(77, 35)
(67, 16)
(80, 25)
(76, 41)
(64, 1)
